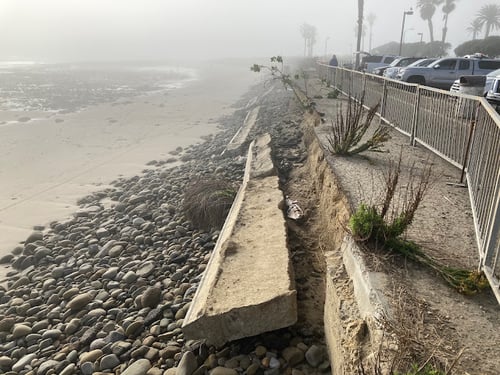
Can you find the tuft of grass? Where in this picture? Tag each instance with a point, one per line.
(351, 125)
(333, 94)
(207, 202)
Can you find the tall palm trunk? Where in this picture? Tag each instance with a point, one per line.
(445, 28)
(431, 29)
(487, 31)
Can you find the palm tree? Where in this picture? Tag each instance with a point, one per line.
(489, 15)
(363, 35)
(427, 10)
(308, 32)
(448, 7)
(361, 7)
(475, 28)
(371, 19)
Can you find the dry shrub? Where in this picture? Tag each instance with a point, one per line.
(207, 202)
(348, 130)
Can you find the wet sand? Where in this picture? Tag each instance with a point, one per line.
(47, 164)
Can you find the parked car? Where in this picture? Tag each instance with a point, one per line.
(443, 72)
(421, 62)
(391, 70)
(492, 88)
(482, 84)
(371, 62)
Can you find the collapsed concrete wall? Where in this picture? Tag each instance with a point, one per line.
(248, 286)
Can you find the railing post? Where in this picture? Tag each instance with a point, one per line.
(384, 100)
(363, 91)
(414, 122)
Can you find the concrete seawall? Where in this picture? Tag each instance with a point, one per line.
(248, 286)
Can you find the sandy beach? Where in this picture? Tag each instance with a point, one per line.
(48, 163)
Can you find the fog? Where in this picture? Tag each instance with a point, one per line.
(95, 30)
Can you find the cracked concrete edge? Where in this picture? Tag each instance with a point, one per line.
(366, 283)
(239, 139)
(239, 323)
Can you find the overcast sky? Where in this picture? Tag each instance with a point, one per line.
(76, 30)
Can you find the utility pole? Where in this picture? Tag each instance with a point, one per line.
(405, 13)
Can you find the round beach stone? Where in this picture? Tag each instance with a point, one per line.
(23, 362)
(91, 356)
(6, 324)
(146, 269)
(80, 301)
(134, 328)
(314, 355)
(5, 361)
(109, 362)
(293, 355)
(58, 272)
(101, 233)
(111, 273)
(139, 367)
(69, 369)
(151, 297)
(188, 364)
(129, 277)
(115, 251)
(223, 371)
(87, 368)
(20, 330)
(72, 326)
(52, 334)
(34, 236)
(47, 365)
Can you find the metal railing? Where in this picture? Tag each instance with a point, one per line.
(462, 129)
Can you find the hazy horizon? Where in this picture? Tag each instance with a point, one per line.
(111, 30)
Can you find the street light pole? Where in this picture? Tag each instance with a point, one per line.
(405, 13)
(326, 45)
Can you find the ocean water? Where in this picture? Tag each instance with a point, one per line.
(63, 88)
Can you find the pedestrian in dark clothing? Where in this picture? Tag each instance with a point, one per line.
(333, 61)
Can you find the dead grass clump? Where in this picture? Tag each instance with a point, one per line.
(414, 342)
(207, 202)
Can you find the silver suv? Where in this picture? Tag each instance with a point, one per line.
(443, 72)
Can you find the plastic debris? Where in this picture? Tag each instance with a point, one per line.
(293, 210)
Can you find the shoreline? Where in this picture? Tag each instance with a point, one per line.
(50, 164)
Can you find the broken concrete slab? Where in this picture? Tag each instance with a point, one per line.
(240, 138)
(248, 286)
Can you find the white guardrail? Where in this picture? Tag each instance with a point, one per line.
(462, 129)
